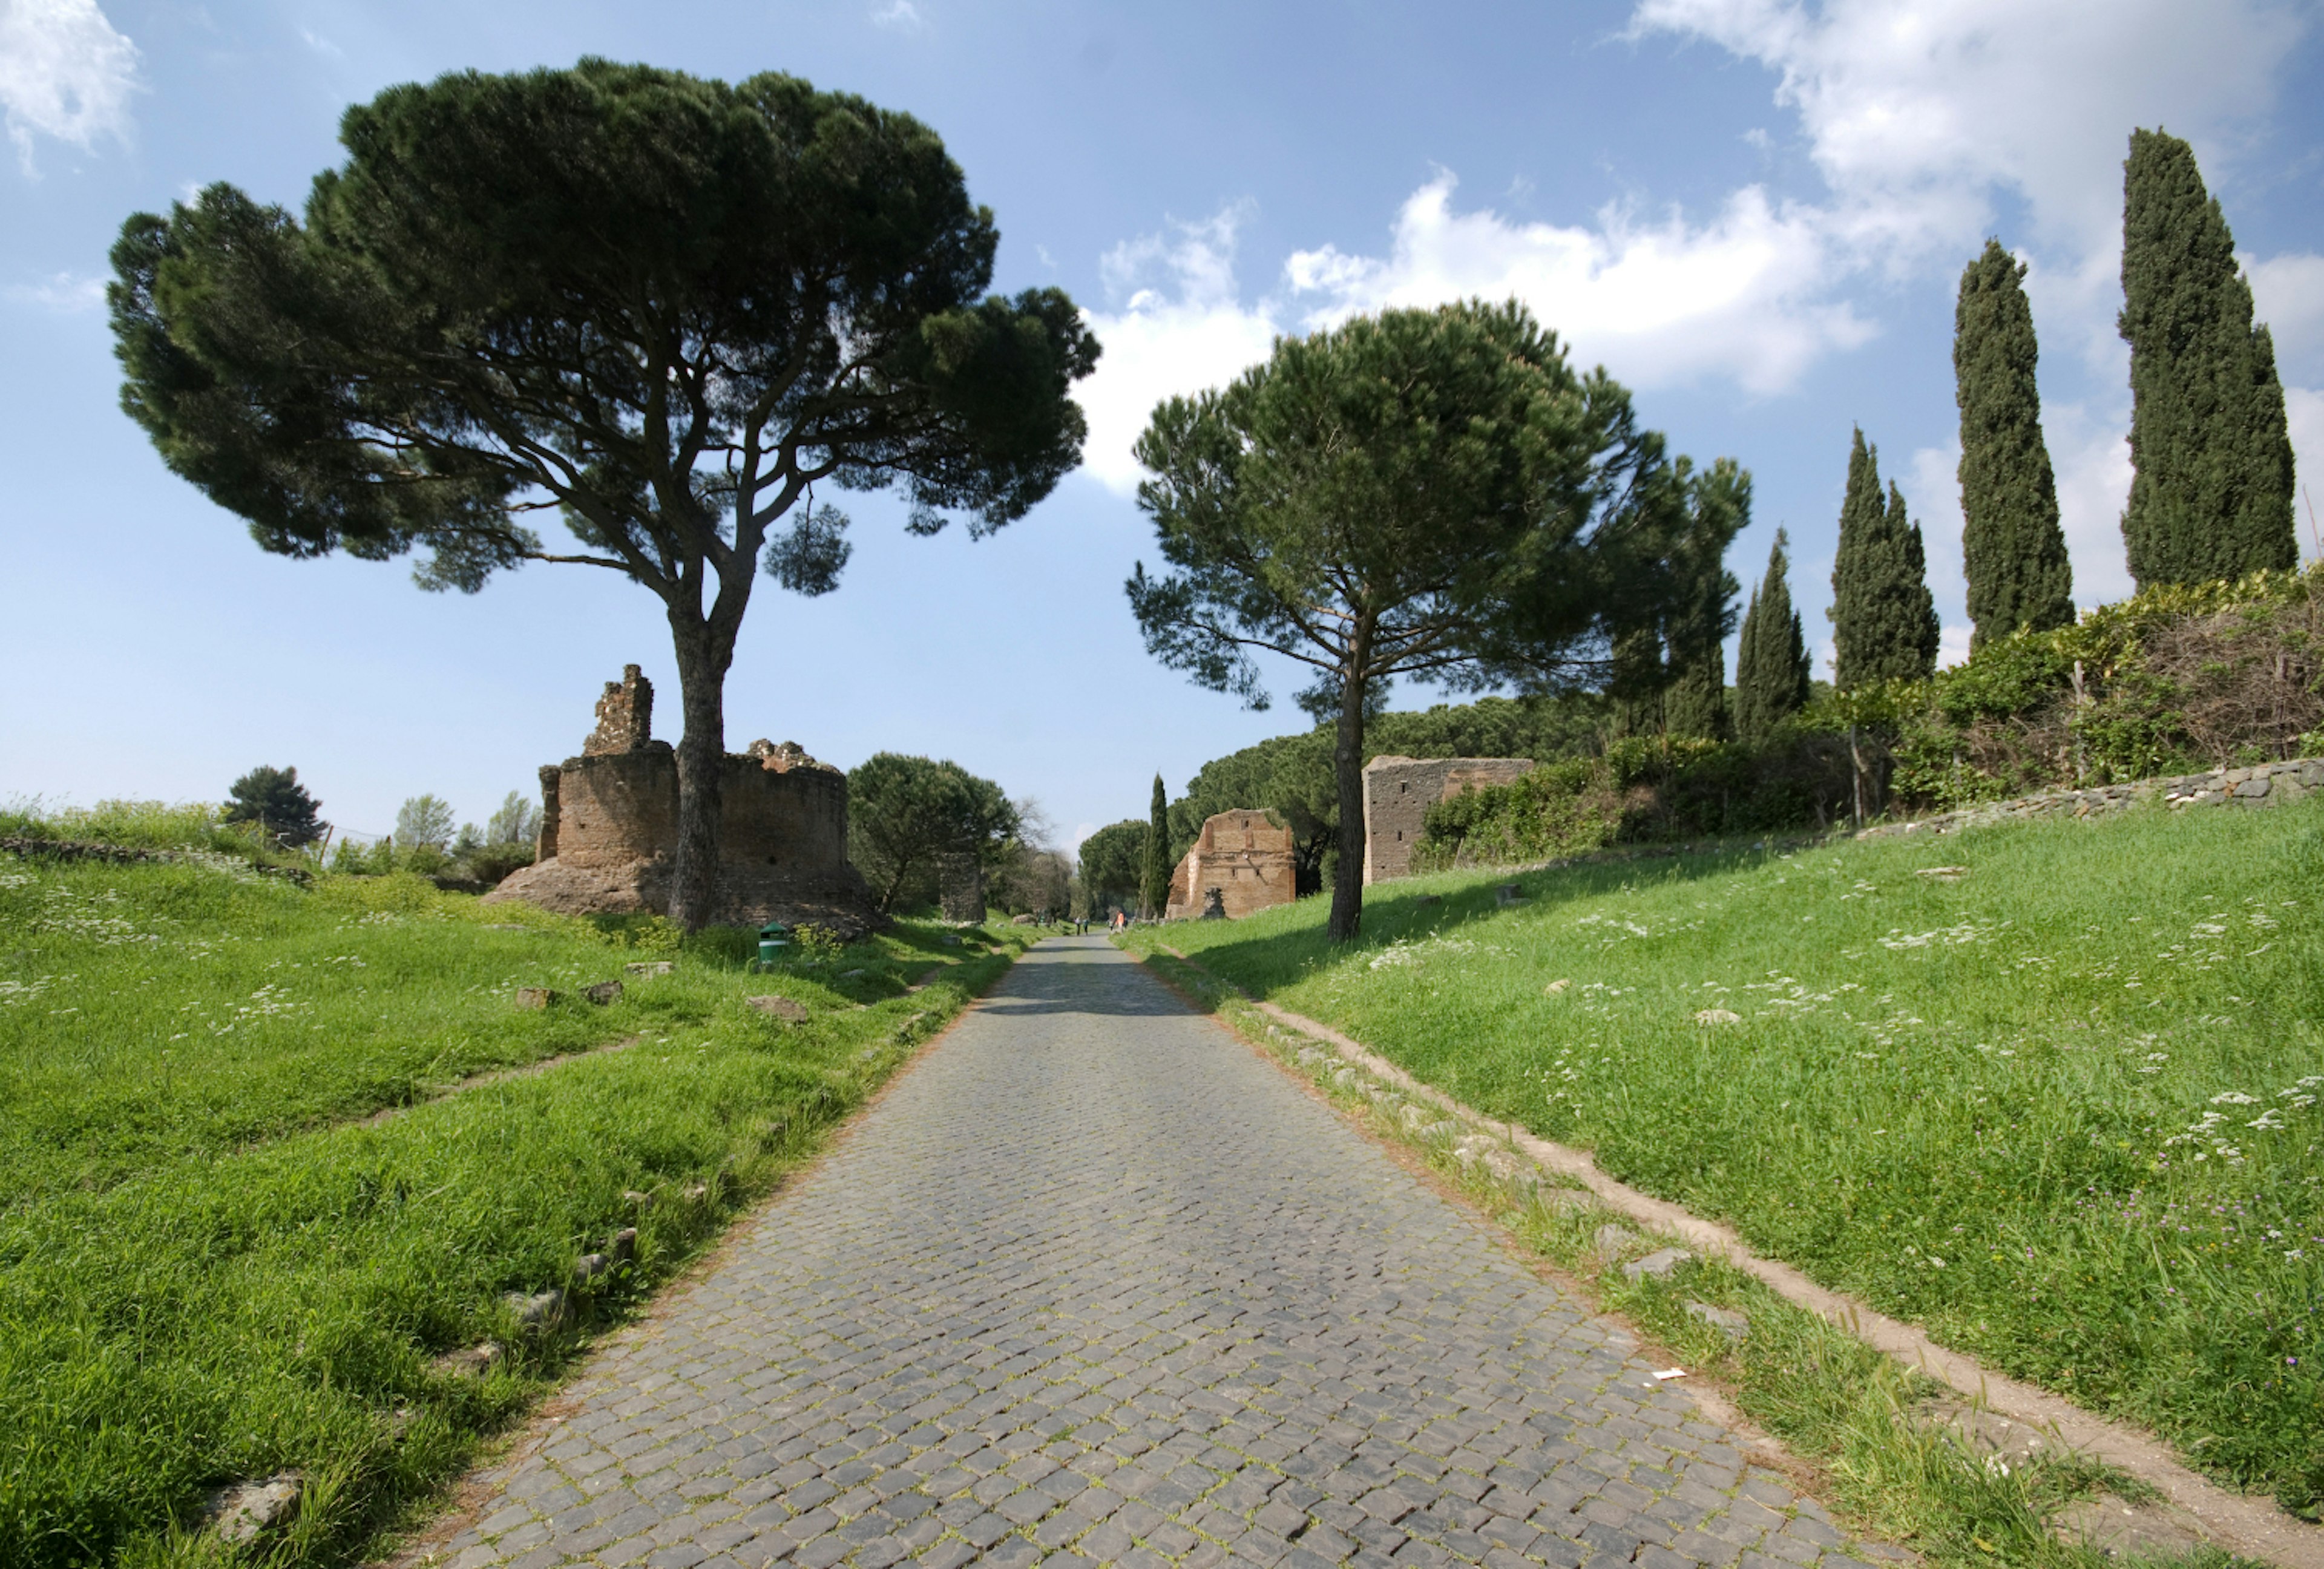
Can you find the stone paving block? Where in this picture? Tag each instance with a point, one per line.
(1094, 1283)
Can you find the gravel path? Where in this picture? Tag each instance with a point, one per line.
(1095, 1282)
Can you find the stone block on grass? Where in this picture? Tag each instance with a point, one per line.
(242, 1513)
(1733, 1325)
(468, 1363)
(782, 1008)
(1658, 1264)
(534, 996)
(540, 1311)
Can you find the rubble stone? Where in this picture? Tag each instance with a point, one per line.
(244, 1513)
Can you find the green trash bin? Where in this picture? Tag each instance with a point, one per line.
(774, 937)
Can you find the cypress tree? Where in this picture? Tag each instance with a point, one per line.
(1154, 880)
(1771, 656)
(1883, 619)
(2012, 550)
(2210, 493)
(1695, 702)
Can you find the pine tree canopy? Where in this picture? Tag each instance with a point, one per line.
(273, 798)
(660, 307)
(2012, 549)
(1436, 494)
(2210, 494)
(1771, 656)
(1883, 619)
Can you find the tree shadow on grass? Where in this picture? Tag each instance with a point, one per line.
(1263, 963)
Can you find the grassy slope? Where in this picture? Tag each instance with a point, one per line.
(213, 1266)
(1981, 1104)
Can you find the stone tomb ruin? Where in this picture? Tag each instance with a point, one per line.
(1398, 792)
(1241, 863)
(609, 829)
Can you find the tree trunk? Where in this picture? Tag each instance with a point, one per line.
(703, 657)
(1856, 777)
(1348, 768)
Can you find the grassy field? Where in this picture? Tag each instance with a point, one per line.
(2060, 1105)
(219, 1260)
(1886, 1445)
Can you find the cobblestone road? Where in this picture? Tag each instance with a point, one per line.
(1096, 1283)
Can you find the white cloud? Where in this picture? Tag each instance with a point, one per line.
(1931, 487)
(899, 16)
(1914, 109)
(1658, 302)
(1178, 328)
(321, 45)
(62, 293)
(2288, 295)
(2092, 462)
(64, 73)
(1917, 112)
(2305, 408)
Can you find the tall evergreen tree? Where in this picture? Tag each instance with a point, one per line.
(1771, 656)
(2012, 549)
(1154, 878)
(2210, 494)
(1695, 702)
(1884, 622)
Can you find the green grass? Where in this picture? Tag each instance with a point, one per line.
(1873, 1430)
(2062, 1112)
(216, 1263)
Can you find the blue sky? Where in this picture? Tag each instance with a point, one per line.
(1753, 212)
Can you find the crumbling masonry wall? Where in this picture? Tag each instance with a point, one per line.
(1398, 792)
(1241, 855)
(609, 829)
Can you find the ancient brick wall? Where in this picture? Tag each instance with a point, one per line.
(616, 808)
(624, 715)
(1241, 855)
(1398, 792)
(609, 828)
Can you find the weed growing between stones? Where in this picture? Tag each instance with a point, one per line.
(2057, 1105)
(218, 1263)
(1873, 1429)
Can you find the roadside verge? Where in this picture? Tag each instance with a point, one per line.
(2148, 1504)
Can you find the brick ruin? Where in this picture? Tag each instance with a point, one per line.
(609, 829)
(1241, 863)
(1398, 792)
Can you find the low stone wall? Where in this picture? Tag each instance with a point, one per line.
(2265, 784)
(90, 849)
